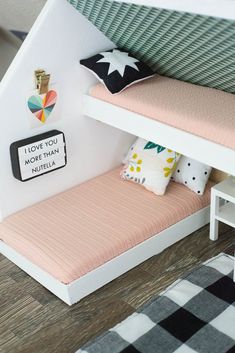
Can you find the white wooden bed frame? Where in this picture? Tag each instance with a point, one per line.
(78, 289)
(201, 149)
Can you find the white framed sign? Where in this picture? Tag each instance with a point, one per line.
(38, 155)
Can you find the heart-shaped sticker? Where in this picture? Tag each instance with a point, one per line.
(42, 106)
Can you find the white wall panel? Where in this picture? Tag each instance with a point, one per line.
(58, 39)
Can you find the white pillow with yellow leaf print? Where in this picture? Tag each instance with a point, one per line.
(150, 165)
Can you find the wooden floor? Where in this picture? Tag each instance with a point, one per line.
(33, 321)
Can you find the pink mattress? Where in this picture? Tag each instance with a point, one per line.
(78, 230)
(202, 111)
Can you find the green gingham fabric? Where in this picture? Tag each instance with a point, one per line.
(193, 48)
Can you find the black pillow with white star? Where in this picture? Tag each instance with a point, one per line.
(117, 69)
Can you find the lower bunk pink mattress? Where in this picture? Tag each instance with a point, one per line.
(202, 111)
(76, 231)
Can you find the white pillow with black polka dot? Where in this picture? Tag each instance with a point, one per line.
(192, 174)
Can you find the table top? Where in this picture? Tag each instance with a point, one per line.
(226, 187)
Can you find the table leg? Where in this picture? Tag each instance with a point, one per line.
(214, 223)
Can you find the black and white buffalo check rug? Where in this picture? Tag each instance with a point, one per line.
(194, 314)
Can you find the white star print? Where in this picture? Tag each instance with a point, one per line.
(118, 60)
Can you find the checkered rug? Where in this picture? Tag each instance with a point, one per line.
(195, 314)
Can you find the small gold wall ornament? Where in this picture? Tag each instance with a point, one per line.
(42, 81)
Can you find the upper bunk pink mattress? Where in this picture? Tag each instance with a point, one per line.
(76, 231)
(202, 111)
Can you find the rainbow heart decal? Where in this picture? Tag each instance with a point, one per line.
(42, 106)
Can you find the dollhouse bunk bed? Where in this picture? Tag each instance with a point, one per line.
(73, 240)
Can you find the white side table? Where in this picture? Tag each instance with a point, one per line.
(222, 206)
